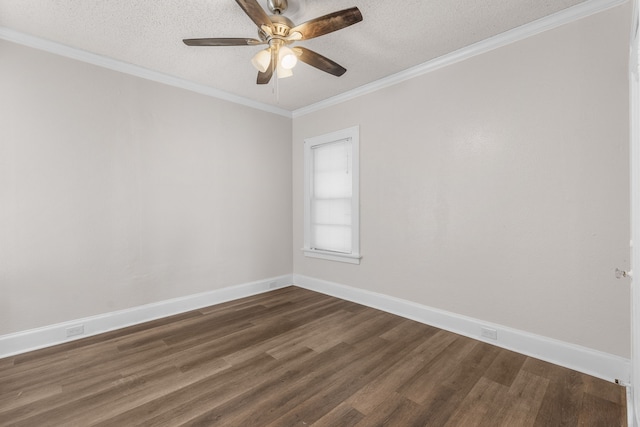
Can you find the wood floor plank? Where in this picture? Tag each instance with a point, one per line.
(562, 401)
(437, 370)
(181, 404)
(505, 367)
(374, 393)
(295, 357)
(30, 396)
(597, 411)
(339, 387)
(480, 406)
(307, 381)
(608, 391)
(396, 410)
(523, 400)
(304, 389)
(343, 415)
(444, 392)
(81, 410)
(318, 331)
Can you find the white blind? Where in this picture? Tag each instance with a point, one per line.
(331, 193)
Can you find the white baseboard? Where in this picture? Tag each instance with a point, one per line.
(592, 362)
(33, 339)
(582, 359)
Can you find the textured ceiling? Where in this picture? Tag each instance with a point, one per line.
(393, 36)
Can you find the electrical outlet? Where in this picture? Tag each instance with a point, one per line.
(489, 333)
(75, 330)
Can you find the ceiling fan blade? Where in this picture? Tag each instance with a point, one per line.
(320, 62)
(328, 23)
(264, 78)
(222, 42)
(255, 12)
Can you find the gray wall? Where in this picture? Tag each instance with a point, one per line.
(117, 192)
(495, 188)
(498, 187)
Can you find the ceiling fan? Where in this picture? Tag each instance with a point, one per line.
(278, 32)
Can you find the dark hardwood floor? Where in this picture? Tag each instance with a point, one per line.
(293, 357)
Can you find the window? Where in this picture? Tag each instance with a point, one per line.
(331, 202)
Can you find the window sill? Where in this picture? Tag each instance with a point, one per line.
(332, 256)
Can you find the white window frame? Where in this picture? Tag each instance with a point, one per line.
(352, 133)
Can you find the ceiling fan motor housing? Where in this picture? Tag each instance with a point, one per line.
(281, 25)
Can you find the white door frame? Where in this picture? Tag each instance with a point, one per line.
(634, 136)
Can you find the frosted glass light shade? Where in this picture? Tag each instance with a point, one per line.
(286, 58)
(283, 72)
(261, 60)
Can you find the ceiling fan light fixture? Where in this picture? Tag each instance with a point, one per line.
(283, 72)
(278, 31)
(287, 59)
(261, 60)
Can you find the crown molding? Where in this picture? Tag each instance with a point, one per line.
(131, 69)
(574, 13)
(582, 10)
